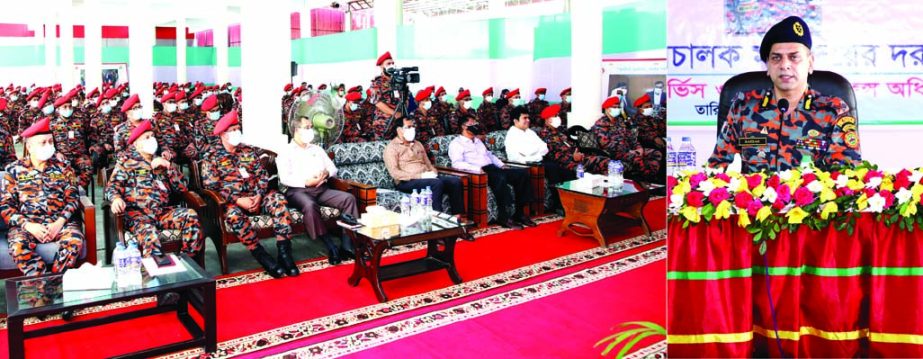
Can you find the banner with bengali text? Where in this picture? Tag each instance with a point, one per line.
(876, 45)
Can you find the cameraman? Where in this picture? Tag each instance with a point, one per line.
(384, 99)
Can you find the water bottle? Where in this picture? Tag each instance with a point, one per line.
(134, 267)
(415, 202)
(579, 171)
(427, 207)
(405, 206)
(615, 174)
(686, 155)
(671, 157)
(121, 265)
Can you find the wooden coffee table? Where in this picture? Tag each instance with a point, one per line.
(600, 211)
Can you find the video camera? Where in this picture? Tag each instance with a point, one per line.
(401, 76)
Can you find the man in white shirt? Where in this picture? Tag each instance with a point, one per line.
(304, 169)
(522, 144)
(468, 153)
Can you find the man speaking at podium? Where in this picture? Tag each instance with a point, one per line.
(777, 129)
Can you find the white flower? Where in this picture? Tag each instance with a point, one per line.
(874, 182)
(706, 187)
(903, 195)
(769, 195)
(815, 186)
(676, 202)
(915, 176)
(785, 175)
(734, 185)
(876, 203)
(841, 181)
(713, 171)
(807, 167)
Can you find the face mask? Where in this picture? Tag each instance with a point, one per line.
(14, 98)
(467, 105)
(426, 105)
(48, 109)
(555, 122)
(198, 102)
(234, 138)
(541, 97)
(183, 106)
(564, 98)
(44, 153)
(489, 99)
(124, 94)
(615, 112)
(442, 98)
(135, 114)
(74, 103)
(475, 129)
(113, 103)
(647, 111)
(214, 115)
(106, 108)
(519, 102)
(66, 113)
(342, 93)
(306, 135)
(149, 146)
(92, 101)
(409, 134)
(33, 104)
(170, 107)
(389, 67)
(353, 106)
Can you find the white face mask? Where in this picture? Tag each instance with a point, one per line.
(565, 98)
(33, 104)
(426, 105)
(170, 107)
(342, 94)
(409, 134)
(647, 111)
(106, 108)
(214, 115)
(353, 106)
(75, 103)
(149, 146)
(44, 153)
(615, 112)
(555, 122)
(14, 98)
(467, 105)
(519, 102)
(183, 106)
(66, 113)
(489, 99)
(306, 135)
(48, 109)
(135, 114)
(541, 97)
(442, 98)
(234, 138)
(197, 102)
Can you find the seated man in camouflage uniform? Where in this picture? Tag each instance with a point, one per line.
(40, 201)
(563, 154)
(140, 187)
(620, 141)
(236, 173)
(426, 121)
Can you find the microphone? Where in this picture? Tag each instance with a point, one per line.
(783, 105)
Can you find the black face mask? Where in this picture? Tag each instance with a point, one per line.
(476, 129)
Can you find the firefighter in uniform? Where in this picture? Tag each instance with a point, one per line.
(352, 121)
(426, 122)
(487, 112)
(780, 128)
(384, 99)
(620, 141)
(536, 106)
(70, 136)
(463, 112)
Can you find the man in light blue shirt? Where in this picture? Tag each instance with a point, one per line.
(468, 153)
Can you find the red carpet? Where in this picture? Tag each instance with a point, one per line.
(242, 309)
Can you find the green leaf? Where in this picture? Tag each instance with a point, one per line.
(686, 224)
(621, 336)
(653, 326)
(631, 344)
(772, 235)
(763, 248)
(753, 229)
(758, 236)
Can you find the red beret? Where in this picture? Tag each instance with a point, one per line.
(288, 87)
(142, 127)
(131, 101)
(64, 99)
(540, 90)
(611, 102)
(423, 94)
(431, 88)
(297, 91)
(34, 93)
(440, 91)
(173, 88)
(384, 57)
(57, 87)
(196, 93)
(551, 111)
(462, 95)
(210, 103)
(642, 100)
(94, 92)
(489, 90)
(40, 127)
(41, 101)
(565, 91)
(512, 93)
(368, 93)
(322, 87)
(226, 121)
(2, 104)
(167, 97)
(353, 96)
(354, 89)
(179, 96)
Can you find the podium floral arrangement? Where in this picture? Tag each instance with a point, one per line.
(767, 203)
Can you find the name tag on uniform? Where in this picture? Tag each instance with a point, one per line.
(244, 173)
(752, 141)
(70, 135)
(161, 185)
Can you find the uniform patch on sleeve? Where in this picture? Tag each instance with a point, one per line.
(845, 120)
(852, 140)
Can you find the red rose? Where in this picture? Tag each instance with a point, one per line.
(888, 196)
(784, 193)
(807, 179)
(754, 180)
(872, 174)
(803, 197)
(671, 182)
(743, 199)
(696, 179)
(724, 177)
(845, 191)
(869, 192)
(754, 207)
(773, 181)
(717, 195)
(695, 199)
(778, 205)
(902, 180)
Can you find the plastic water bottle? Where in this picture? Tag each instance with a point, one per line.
(671, 157)
(134, 264)
(120, 261)
(580, 171)
(415, 204)
(686, 155)
(405, 206)
(615, 174)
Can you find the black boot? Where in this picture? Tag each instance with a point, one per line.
(285, 258)
(333, 255)
(347, 253)
(267, 262)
